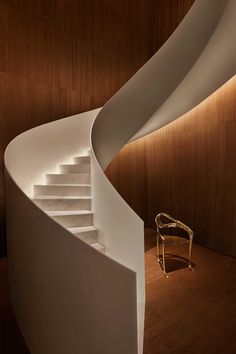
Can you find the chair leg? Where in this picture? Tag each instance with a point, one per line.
(190, 252)
(158, 249)
(162, 262)
(163, 259)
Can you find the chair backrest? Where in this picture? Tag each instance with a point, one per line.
(165, 221)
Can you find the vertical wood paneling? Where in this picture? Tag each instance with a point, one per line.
(164, 19)
(128, 175)
(60, 57)
(190, 171)
(128, 172)
(197, 170)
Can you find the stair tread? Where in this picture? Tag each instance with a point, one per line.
(82, 157)
(78, 156)
(97, 246)
(68, 212)
(63, 185)
(74, 164)
(59, 197)
(81, 229)
(67, 174)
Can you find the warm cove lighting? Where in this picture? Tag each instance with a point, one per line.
(208, 111)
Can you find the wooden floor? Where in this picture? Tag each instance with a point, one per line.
(188, 313)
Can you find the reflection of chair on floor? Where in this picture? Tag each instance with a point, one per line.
(165, 222)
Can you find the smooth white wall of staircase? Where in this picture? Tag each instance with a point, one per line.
(215, 65)
(67, 296)
(128, 114)
(136, 102)
(122, 232)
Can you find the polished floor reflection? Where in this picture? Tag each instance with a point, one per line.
(190, 312)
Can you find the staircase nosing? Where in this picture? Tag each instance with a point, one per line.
(67, 174)
(61, 197)
(80, 229)
(63, 185)
(69, 212)
(74, 164)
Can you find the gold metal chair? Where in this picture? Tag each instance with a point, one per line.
(165, 222)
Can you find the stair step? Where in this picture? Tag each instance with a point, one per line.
(62, 190)
(82, 159)
(57, 203)
(77, 230)
(75, 168)
(99, 247)
(88, 234)
(82, 178)
(72, 218)
(53, 213)
(61, 197)
(66, 198)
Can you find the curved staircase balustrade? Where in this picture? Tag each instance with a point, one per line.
(69, 298)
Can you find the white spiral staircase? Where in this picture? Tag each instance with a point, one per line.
(75, 248)
(66, 198)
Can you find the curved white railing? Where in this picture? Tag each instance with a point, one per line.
(68, 297)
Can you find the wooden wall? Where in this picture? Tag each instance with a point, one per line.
(130, 165)
(63, 57)
(59, 58)
(187, 169)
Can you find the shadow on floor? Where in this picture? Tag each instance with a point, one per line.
(175, 262)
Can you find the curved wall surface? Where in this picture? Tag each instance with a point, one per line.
(90, 302)
(214, 66)
(187, 169)
(192, 53)
(68, 297)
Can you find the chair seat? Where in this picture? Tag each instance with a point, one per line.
(174, 239)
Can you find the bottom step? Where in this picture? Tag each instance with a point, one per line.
(89, 235)
(86, 233)
(99, 247)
